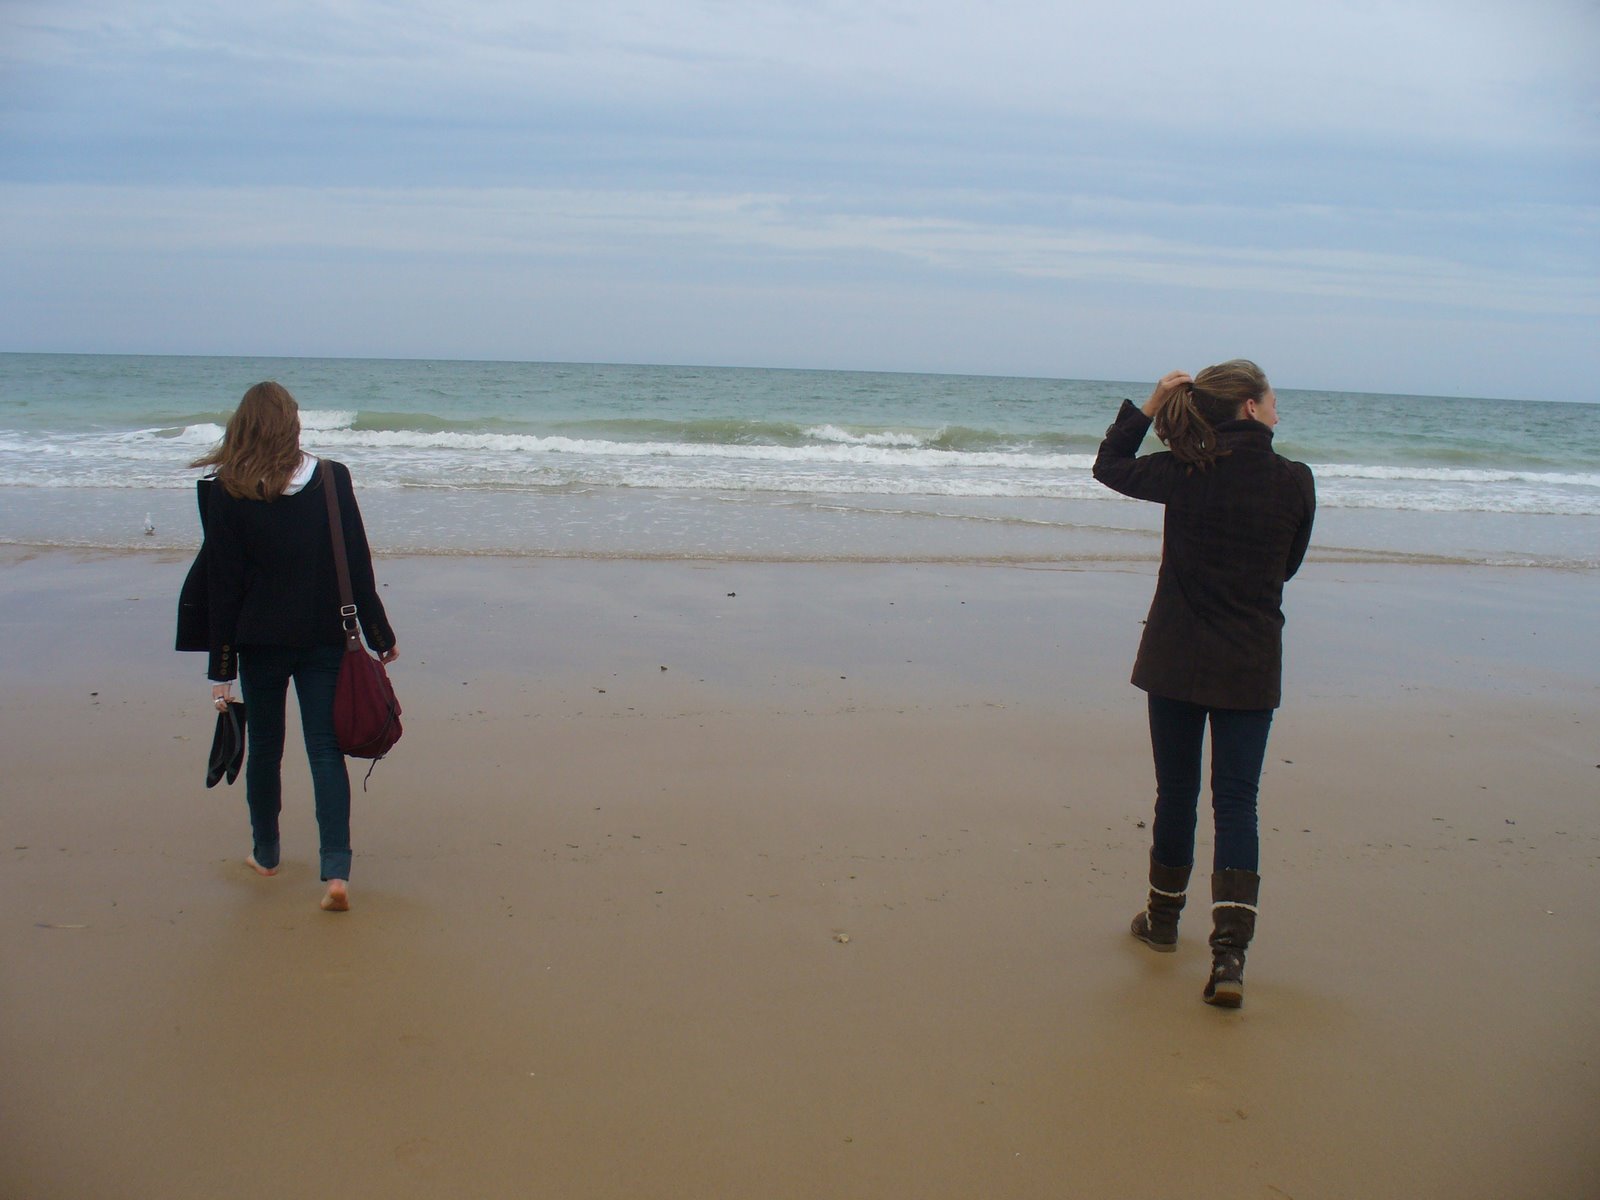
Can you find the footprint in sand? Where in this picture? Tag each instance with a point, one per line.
(418, 1155)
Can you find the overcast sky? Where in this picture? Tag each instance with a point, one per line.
(1380, 195)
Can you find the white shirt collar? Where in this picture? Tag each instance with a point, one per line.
(302, 475)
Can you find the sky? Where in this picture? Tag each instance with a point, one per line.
(1370, 195)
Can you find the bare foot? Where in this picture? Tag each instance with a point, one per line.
(250, 860)
(337, 898)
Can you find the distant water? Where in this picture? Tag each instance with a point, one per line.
(540, 458)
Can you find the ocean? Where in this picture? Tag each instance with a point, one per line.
(541, 459)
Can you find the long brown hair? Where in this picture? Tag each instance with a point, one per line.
(260, 449)
(1187, 421)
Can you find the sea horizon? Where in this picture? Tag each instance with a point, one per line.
(479, 360)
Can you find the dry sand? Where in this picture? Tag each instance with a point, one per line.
(597, 946)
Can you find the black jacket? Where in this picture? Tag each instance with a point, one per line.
(1232, 535)
(270, 576)
(194, 600)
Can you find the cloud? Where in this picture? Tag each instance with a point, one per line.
(1170, 166)
(1458, 73)
(675, 233)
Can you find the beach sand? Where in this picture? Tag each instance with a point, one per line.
(833, 905)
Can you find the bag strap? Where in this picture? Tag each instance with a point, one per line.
(341, 563)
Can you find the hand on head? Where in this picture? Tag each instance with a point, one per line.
(1168, 383)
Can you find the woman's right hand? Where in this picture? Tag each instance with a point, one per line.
(1169, 383)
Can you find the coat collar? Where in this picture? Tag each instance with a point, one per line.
(1244, 430)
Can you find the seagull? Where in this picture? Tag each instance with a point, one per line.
(149, 526)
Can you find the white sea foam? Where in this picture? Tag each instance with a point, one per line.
(327, 418)
(1455, 475)
(832, 433)
(860, 452)
(834, 461)
(889, 450)
(189, 435)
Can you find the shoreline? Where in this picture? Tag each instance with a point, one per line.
(664, 525)
(1086, 562)
(597, 904)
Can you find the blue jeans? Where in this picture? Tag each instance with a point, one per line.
(1238, 748)
(264, 674)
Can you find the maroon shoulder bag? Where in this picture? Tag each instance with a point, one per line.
(366, 715)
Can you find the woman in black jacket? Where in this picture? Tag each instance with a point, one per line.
(274, 614)
(1237, 522)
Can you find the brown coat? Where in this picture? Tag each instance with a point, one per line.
(1232, 535)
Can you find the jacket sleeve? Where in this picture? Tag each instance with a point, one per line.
(1147, 478)
(1302, 536)
(363, 584)
(224, 583)
(194, 606)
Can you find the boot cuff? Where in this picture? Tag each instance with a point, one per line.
(1233, 887)
(1169, 881)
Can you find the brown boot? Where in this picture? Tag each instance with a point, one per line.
(1157, 925)
(1233, 922)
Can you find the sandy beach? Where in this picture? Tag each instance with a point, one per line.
(802, 880)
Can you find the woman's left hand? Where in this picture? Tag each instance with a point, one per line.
(389, 655)
(221, 695)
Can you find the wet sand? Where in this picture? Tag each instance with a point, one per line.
(834, 905)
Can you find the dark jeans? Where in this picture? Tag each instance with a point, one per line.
(1238, 747)
(264, 674)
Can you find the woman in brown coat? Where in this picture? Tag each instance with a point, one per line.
(1237, 522)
